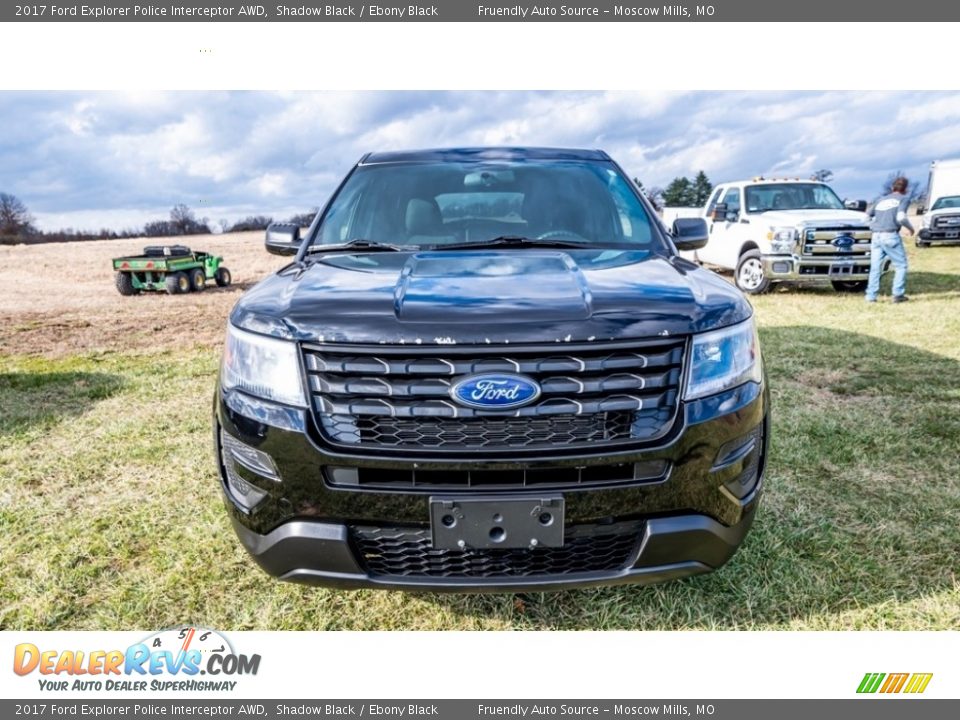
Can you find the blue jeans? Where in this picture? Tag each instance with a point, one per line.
(887, 245)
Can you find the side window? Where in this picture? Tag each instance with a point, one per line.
(634, 226)
(732, 200)
(340, 223)
(713, 201)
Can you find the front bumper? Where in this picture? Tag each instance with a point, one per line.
(796, 268)
(668, 548)
(929, 235)
(689, 522)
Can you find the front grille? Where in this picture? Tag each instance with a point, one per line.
(822, 243)
(399, 398)
(409, 553)
(950, 222)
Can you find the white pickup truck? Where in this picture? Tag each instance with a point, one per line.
(768, 230)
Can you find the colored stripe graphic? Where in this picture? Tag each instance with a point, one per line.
(918, 682)
(894, 683)
(870, 682)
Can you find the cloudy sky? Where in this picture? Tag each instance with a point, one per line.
(92, 160)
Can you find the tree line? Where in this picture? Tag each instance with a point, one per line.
(17, 225)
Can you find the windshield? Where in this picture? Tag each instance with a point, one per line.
(791, 196)
(949, 201)
(430, 204)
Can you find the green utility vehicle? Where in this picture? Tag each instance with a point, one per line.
(174, 268)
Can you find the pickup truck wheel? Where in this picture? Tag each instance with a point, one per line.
(921, 243)
(222, 277)
(125, 284)
(198, 279)
(850, 286)
(177, 283)
(749, 274)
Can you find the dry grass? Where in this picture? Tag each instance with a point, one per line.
(58, 299)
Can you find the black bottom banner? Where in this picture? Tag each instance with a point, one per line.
(872, 708)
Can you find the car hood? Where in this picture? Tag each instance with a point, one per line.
(944, 211)
(823, 218)
(489, 297)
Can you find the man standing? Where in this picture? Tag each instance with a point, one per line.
(888, 215)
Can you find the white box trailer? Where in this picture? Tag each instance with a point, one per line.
(941, 216)
(944, 180)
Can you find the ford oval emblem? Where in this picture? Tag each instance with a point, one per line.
(843, 241)
(495, 392)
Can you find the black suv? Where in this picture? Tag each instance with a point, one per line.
(490, 369)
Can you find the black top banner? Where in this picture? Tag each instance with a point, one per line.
(485, 11)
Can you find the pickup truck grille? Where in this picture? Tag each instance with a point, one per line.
(947, 222)
(836, 243)
(398, 398)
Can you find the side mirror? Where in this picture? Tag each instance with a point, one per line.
(921, 209)
(859, 205)
(690, 233)
(719, 211)
(282, 239)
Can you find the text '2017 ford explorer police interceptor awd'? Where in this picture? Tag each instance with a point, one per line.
(490, 369)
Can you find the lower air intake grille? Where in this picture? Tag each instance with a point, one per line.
(480, 432)
(408, 552)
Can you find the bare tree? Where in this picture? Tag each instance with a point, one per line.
(304, 219)
(823, 175)
(251, 222)
(182, 222)
(15, 219)
(655, 195)
(915, 190)
(182, 218)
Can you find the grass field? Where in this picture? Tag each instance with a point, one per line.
(111, 518)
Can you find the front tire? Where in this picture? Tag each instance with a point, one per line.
(222, 277)
(849, 286)
(177, 283)
(124, 282)
(749, 275)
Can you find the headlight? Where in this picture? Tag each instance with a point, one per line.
(925, 222)
(782, 239)
(723, 359)
(262, 366)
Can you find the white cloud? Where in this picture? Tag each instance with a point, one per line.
(91, 156)
(271, 184)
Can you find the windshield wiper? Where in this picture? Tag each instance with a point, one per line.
(361, 244)
(512, 241)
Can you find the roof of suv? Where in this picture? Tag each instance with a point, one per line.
(482, 153)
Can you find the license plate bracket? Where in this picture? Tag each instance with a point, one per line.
(842, 267)
(496, 522)
(952, 234)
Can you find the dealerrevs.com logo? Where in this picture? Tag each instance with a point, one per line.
(180, 659)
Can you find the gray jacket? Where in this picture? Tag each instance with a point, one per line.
(889, 213)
